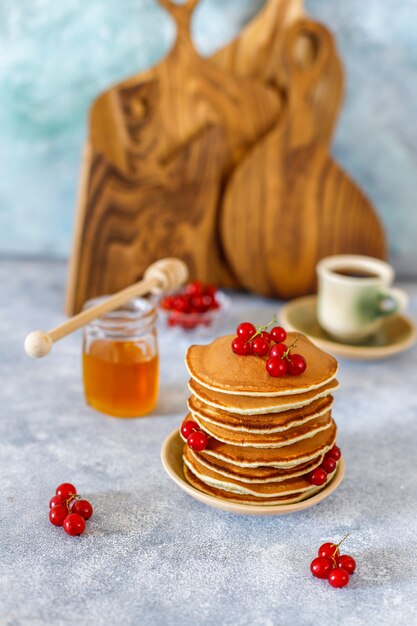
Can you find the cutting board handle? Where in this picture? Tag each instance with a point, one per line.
(306, 51)
(181, 13)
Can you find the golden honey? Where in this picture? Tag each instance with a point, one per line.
(120, 361)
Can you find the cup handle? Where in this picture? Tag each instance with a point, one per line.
(391, 300)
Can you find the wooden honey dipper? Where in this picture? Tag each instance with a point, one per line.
(160, 277)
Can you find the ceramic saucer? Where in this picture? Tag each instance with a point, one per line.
(171, 457)
(397, 332)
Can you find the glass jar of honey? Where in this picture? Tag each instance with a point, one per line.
(120, 360)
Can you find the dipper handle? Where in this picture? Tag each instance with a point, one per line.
(160, 277)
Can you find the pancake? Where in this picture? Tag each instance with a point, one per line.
(217, 367)
(247, 499)
(262, 424)
(286, 456)
(267, 440)
(255, 474)
(288, 487)
(253, 405)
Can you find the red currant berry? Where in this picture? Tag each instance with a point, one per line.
(338, 577)
(189, 427)
(318, 477)
(296, 364)
(266, 336)
(74, 524)
(278, 334)
(210, 290)
(335, 453)
(58, 514)
(321, 567)
(241, 347)
(55, 501)
(197, 304)
(276, 367)
(329, 550)
(197, 441)
(166, 303)
(83, 508)
(194, 288)
(328, 464)
(181, 304)
(278, 350)
(260, 347)
(245, 331)
(66, 490)
(347, 562)
(215, 304)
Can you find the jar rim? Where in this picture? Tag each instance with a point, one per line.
(137, 312)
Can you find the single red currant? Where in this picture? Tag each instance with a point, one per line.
(346, 562)
(66, 490)
(260, 347)
(245, 331)
(328, 464)
(296, 364)
(338, 577)
(197, 441)
(195, 288)
(83, 508)
(181, 304)
(321, 567)
(278, 350)
(329, 550)
(276, 367)
(55, 501)
(210, 290)
(241, 347)
(318, 477)
(335, 453)
(189, 427)
(266, 336)
(278, 334)
(58, 514)
(74, 524)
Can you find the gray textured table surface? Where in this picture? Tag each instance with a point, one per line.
(153, 555)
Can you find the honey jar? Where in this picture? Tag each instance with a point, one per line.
(120, 360)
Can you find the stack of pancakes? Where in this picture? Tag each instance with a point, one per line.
(265, 434)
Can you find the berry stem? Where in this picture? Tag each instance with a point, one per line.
(260, 328)
(340, 543)
(287, 351)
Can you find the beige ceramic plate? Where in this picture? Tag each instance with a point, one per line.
(397, 333)
(171, 457)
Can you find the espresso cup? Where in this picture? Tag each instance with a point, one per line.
(355, 295)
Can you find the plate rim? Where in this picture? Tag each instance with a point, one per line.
(241, 508)
(350, 350)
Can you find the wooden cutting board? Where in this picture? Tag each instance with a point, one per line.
(258, 53)
(288, 203)
(148, 189)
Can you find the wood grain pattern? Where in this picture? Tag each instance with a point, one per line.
(145, 187)
(288, 204)
(258, 53)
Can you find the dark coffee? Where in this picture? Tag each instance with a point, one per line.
(355, 272)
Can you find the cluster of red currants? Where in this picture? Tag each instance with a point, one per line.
(319, 475)
(196, 439)
(256, 340)
(197, 298)
(330, 564)
(67, 509)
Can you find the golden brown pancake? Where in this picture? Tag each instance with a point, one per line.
(255, 474)
(290, 486)
(266, 440)
(286, 456)
(262, 424)
(253, 405)
(216, 367)
(247, 499)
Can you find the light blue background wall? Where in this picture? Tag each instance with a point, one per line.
(55, 56)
